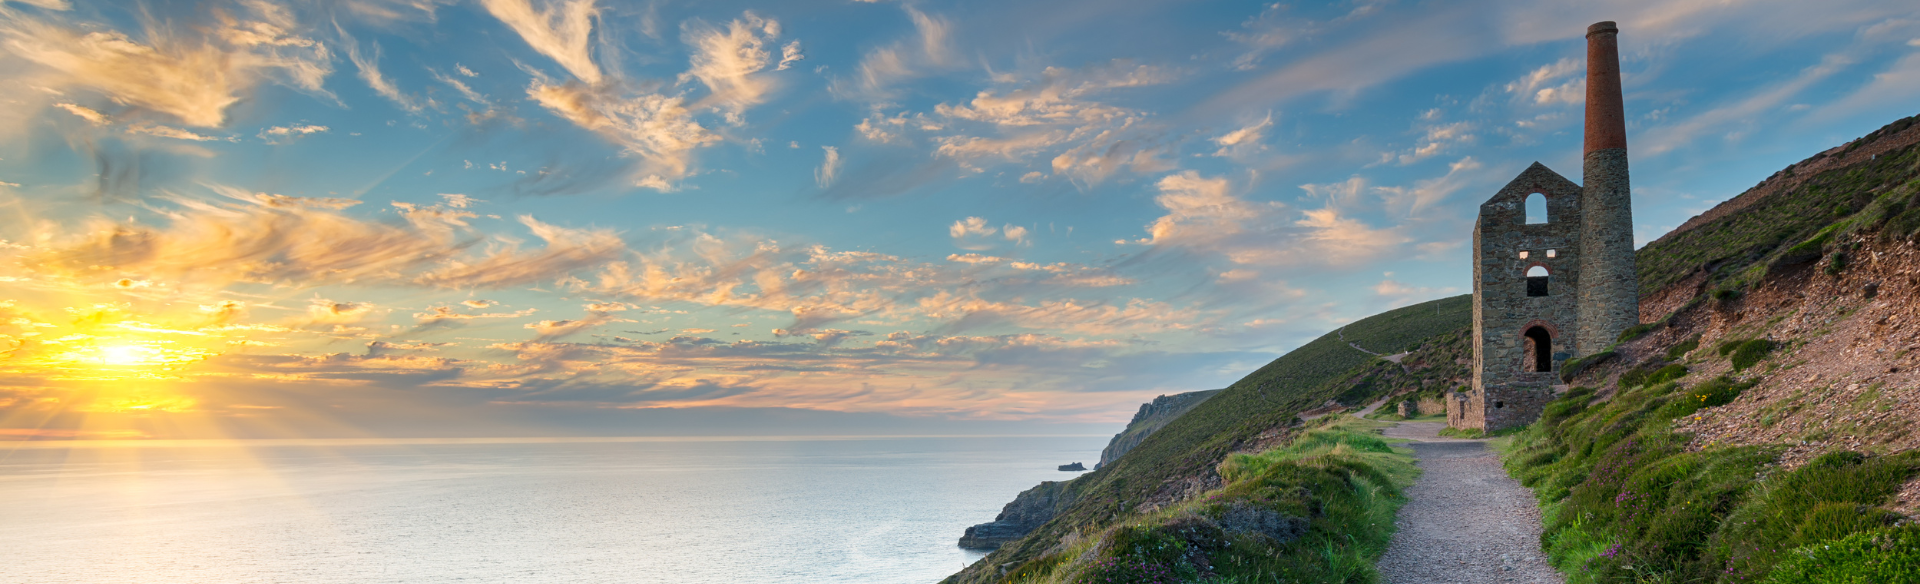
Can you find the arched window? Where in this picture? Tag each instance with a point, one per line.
(1537, 209)
(1539, 349)
(1537, 278)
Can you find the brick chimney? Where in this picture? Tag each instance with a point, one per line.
(1609, 286)
(1606, 120)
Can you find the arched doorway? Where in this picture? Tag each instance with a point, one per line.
(1539, 349)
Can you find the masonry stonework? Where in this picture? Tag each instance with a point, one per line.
(1550, 291)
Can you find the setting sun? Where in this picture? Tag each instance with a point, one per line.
(128, 355)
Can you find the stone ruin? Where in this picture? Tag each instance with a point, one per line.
(1560, 285)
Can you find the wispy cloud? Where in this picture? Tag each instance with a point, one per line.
(276, 239)
(369, 67)
(193, 78)
(1733, 119)
(1551, 84)
(882, 67)
(829, 167)
(1205, 215)
(284, 134)
(562, 30)
(657, 128)
(729, 62)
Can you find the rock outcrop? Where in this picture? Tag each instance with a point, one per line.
(1073, 467)
(1028, 510)
(1151, 418)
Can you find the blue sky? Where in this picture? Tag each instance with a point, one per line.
(496, 216)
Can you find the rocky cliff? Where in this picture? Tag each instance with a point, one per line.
(1152, 416)
(1037, 505)
(1029, 509)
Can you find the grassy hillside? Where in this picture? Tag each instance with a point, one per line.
(1181, 459)
(1796, 225)
(1319, 509)
(1763, 433)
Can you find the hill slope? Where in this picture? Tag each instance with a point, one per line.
(1760, 427)
(1151, 418)
(1257, 412)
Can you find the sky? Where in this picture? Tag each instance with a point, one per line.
(385, 218)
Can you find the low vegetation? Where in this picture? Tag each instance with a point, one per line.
(1186, 455)
(1319, 509)
(1812, 221)
(1625, 500)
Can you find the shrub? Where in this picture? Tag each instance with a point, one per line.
(1625, 500)
(1675, 352)
(1836, 263)
(1873, 557)
(1746, 353)
(1716, 392)
(1830, 497)
(1573, 367)
(1637, 331)
(1646, 376)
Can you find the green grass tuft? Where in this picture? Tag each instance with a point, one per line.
(1745, 353)
(1319, 509)
(1637, 331)
(1626, 500)
(1644, 376)
(1873, 557)
(1676, 352)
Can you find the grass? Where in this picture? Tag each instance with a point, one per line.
(1744, 353)
(1794, 227)
(1645, 376)
(1318, 509)
(1873, 557)
(1677, 352)
(1194, 444)
(1625, 500)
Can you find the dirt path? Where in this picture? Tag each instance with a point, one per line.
(1466, 521)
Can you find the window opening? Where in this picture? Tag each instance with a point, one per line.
(1540, 349)
(1523, 255)
(1552, 253)
(1499, 404)
(1537, 209)
(1537, 280)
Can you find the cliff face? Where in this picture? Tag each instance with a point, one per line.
(1036, 506)
(1029, 509)
(1152, 416)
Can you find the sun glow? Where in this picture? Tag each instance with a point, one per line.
(128, 355)
(121, 358)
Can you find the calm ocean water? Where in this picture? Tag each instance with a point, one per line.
(692, 511)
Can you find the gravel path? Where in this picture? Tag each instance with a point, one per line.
(1466, 521)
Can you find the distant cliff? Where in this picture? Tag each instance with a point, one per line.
(1028, 510)
(1152, 417)
(1037, 505)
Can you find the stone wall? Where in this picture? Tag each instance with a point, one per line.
(1504, 381)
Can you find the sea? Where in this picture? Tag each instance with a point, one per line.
(641, 510)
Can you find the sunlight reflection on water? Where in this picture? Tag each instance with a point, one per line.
(871, 510)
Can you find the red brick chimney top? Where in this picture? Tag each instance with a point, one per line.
(1606, 118)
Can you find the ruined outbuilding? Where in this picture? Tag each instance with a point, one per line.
(1560, 284)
